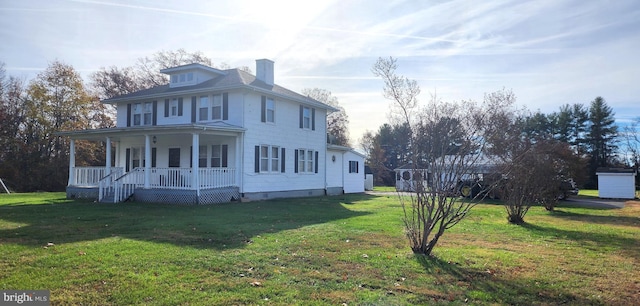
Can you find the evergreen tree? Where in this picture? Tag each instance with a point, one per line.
(602, 135)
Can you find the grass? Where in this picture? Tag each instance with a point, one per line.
(327, 250)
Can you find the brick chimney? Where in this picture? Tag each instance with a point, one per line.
(264, 70)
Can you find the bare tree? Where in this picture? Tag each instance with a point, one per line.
(402, 91)
(337, 122)
(447, 145)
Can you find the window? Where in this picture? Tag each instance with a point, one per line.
(216, 108)
(306, 117)
(269, 158)
(135, 158)
(216, 156)
(202, 157)
(268, 110)
(137, 113)
(148, 111)
(271, 110)
(182, 78)
(173, 108)
(353, 166)
(174, 157)
(305, 161)
(204, 108)
(275, 159)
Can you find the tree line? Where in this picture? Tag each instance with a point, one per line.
(33, 158)
(590, 131)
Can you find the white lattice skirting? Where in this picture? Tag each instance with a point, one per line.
(187, 197)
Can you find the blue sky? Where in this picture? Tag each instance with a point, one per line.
(549, 52)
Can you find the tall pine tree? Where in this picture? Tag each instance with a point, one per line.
(602, 136)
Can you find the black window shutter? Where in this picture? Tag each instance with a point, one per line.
(225, 106)
(282, 161)
(155, 113)
(127, 158)
(153, 157)
(295, 161)
(193, 109)
(301, 114)
(180, 106)
(316, 162)
(225, 149)
(257, 160)
(313, 119)
(128, 115)
(166, 107)
(263, 109)
(191, 157)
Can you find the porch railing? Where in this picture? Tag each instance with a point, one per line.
(181, 178)
(217, 177)
(124, 186)
(106, 184)
(90, 176)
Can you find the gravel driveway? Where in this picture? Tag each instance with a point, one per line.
(594, 202)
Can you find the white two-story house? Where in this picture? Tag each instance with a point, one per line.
(212, 136)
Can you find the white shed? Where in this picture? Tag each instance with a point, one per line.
(345, 170)
(616, 183)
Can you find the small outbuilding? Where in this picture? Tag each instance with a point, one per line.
(345, 170)
(616, 183)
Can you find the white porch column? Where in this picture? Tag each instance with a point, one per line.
(72, 163)
(108, 159)
(147, 161)
(117, 164)
(239, 162)
(195, 165)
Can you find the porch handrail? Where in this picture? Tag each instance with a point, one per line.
(91, 176)
(105, 185)
(125, 185)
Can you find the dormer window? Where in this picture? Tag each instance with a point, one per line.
(182, 78)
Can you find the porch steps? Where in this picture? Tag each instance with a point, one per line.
(110, 197)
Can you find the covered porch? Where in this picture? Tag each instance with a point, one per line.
(160, 164)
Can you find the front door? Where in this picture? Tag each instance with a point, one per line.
(174, 157)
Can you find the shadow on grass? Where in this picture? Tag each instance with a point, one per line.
(591, 240)
(230, 225)
(491, 287)
(611, 220)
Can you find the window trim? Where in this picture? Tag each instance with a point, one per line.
(352, 164)
(306, 161)
(267, 162)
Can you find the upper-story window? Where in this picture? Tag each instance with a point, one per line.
(306, 117)
(137, 113)
(182, 78)
(173, 108)
(148, 113)
(204, 108)
(216, 108)
(268, 110)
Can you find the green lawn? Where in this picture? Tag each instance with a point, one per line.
(328, 250)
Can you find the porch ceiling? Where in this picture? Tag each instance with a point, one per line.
(99, 134)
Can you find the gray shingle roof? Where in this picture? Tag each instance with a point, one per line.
(233, 78)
